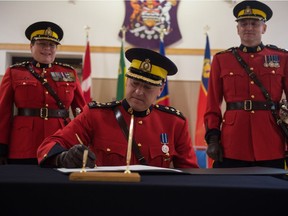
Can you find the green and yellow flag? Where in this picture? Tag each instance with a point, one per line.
(121, 75)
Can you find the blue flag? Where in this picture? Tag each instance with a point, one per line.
(164, 98)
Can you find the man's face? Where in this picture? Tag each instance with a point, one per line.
(43, 51)
(250, 31)
(141, 95)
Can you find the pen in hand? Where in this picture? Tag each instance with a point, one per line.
(85, 155)
(78, 138)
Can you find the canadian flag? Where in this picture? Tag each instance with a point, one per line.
(86, 75)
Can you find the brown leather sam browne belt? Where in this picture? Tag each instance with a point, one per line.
(252, 105)
(44, 112)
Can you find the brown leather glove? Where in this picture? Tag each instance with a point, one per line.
(214, 149)
(73, 158)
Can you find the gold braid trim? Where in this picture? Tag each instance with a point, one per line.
(155, 82)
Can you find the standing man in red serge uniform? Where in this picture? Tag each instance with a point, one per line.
(247, 134)
(35, 96)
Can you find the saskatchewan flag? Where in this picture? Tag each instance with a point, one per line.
(121, 75)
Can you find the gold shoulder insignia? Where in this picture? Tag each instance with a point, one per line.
(225, 51)
(64, 65)
(22, 64)
(94, 104)
(169, 109)
(270, 46)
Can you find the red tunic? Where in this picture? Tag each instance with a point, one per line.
(20, 89)
(98, 128)
(247, 135)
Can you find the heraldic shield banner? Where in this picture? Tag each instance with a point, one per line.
(145, 19)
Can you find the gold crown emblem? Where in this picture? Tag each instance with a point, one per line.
(146, 66)
(248, 11)
(48, 32)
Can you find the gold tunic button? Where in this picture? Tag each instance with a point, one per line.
(139, 144)
(252, 56)
(252, 82)
(140, 122)
(252, 111)
(252, 68)
(273, 72)
(108, 149)
(46, 105)
(252, 96)
(231, 73)
(46, 92)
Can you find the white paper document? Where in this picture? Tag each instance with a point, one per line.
(119, 168)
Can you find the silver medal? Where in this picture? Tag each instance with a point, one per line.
(165, 149)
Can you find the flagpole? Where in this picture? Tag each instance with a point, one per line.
(87, 28)
(123, 30)
(206, 29)
(162, 33)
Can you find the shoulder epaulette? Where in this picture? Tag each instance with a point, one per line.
(270, 46)
(64, 65)
(225, 51)
(94, 104)
(22, 64)
(170, 110)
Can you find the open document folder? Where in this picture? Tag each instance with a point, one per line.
(132, 168)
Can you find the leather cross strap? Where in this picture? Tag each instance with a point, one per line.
(48, 87)
(266, 94)
(125, 131)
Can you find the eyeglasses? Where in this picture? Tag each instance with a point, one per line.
(252, 23)
(47, 44)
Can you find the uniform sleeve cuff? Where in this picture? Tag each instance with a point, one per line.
(211, 132)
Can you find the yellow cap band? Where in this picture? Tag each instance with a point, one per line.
(42, 32)
(254, 11)
(155, 70)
